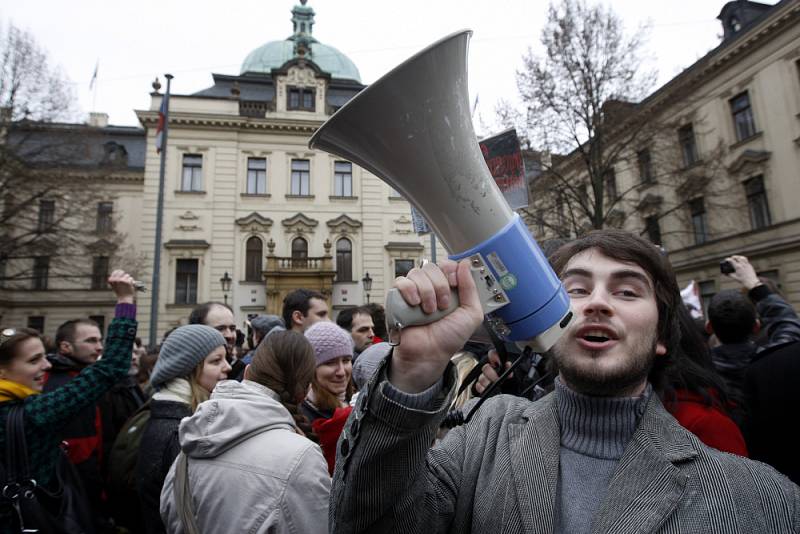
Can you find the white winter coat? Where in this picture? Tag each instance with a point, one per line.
(249, 471)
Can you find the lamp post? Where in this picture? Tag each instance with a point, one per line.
(367, 281)
(226, 286)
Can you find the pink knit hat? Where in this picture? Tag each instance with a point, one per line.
(329, 341)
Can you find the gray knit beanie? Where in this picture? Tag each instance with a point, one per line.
(367, 362)
(183, 351)
(263, 324)
(329, 341)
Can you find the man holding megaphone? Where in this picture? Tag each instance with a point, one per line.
(599, 454)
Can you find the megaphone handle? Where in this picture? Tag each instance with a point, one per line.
(400, 315)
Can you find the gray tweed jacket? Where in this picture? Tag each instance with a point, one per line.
(499, 474)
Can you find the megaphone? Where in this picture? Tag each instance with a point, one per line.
(412, 128)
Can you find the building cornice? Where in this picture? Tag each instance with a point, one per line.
(783, 18)
(149, 119)
(726, 54)
(771, 240)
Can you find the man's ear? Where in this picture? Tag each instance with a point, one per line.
(661, 349)
(709, 328)
(297, 318)
(247, 372)
(756, 327)
(65, 347)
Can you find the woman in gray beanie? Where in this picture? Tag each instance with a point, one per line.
(190, 363)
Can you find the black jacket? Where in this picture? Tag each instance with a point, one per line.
(778, 320)
(157, 451)
(772, 395)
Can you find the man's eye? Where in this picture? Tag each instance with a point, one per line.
(627, 293)
(577, 291)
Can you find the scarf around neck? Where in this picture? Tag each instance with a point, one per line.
(176, 390)
(10, 390)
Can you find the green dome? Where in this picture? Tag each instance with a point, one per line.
(276, 53)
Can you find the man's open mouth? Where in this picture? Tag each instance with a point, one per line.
(596, 336)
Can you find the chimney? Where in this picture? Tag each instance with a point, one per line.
(98, 120)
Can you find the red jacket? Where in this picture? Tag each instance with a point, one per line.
(708, 423)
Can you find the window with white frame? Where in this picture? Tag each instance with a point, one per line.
(256, 176)
(301, 177)
(343, 179)
(192, 175)
(742, 113)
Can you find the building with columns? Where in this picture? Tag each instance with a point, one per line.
(247, 200)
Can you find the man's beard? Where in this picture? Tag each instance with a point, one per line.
(588, 379)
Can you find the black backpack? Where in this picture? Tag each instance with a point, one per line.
(125, 453)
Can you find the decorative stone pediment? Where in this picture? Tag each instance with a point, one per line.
(255, 222)
(615, 218)
(101, 246)
(404, 246)
(187, 244)
(749, 162)
(692, 187)
(299, 224)
(344, 225)
(650, 202)
(301, 75)
(402, 225)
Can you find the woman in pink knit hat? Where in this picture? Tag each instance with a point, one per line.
(327, 403)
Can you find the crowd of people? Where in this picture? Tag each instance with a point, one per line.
(641, 418)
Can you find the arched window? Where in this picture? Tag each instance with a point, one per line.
(299, 252)
(344, 260)
(253, 259)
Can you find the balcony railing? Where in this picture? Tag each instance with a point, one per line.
(277, 263)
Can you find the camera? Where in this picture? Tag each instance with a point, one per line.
(726, 267)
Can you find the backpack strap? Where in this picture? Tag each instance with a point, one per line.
(183, 496)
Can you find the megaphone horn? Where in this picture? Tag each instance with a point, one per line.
(412, 128)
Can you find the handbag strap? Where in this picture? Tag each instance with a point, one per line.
(183, 496)
(16, 447)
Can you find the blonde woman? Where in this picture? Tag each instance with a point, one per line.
(190, 363)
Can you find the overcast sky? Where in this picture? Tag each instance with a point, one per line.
(136, 41)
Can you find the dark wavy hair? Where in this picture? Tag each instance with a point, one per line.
(687, 363)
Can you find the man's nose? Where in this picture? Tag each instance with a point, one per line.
(598, 302)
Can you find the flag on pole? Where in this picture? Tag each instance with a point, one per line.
(162, 117)
(94, 76)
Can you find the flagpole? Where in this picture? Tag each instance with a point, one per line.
(159, 218)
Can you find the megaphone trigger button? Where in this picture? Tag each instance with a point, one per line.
(565, 321)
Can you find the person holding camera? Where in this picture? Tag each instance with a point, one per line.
(735, 318)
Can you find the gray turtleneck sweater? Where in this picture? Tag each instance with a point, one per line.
(594, 434)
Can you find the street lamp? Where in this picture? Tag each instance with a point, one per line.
(226, 286)
(367, 281)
